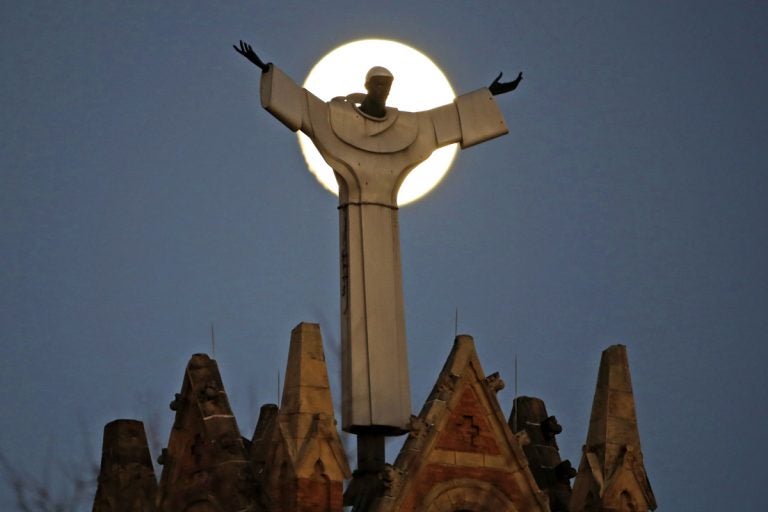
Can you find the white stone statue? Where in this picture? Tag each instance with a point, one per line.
(372, 148)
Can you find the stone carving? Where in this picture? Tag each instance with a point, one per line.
(565, 471)
(550, 428)
(418, 428)
(494, 382)
(446, 385)
(391, 478)
(162, 459)
(522, 438)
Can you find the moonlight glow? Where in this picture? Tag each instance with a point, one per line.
(419, 85)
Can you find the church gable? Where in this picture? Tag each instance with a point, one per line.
(460, 452)
(467, 429)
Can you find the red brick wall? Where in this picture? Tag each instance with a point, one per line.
(467, 429)
(315, 494)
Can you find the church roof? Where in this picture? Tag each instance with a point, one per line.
(461, 452)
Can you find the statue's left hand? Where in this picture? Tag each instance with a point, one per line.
(497, 87)
(246, 51)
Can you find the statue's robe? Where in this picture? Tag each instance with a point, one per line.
(371, 157)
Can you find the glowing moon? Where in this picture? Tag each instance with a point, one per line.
(419, 85)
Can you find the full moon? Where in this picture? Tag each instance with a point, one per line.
(418, 85)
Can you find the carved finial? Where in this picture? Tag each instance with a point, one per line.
(391, 479)
(176, 402)
(550, 428)
(209, 392)
(522, 438)
(494, 382)
(565, 471)
(417, 427)
(162, 459)
(447, 383)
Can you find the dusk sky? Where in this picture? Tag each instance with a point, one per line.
(144, 193)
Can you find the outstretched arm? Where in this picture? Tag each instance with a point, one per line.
(501, 87)
(246, 51)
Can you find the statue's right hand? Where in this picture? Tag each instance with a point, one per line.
(246, 51)
(498, 87)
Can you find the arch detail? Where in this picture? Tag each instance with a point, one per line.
(466, 494)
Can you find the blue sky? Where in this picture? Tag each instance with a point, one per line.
(144, 194)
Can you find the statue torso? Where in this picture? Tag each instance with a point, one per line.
(371, 155)
(389, 134)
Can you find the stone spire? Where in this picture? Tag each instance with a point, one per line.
(611, 474)
(303, 459)
(306, 391)
(205, 466)
(126, 479)
(529, 418)
(262, 439)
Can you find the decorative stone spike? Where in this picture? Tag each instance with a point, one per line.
(127, 479)
(304, 463)
(611, 474)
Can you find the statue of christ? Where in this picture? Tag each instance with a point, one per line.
(371, 148)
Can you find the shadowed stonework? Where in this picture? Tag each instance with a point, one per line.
(127, 479)
(206, 466)
(462, 452)
(537, 430)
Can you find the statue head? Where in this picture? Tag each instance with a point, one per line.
(378, 71)
(378, 81)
